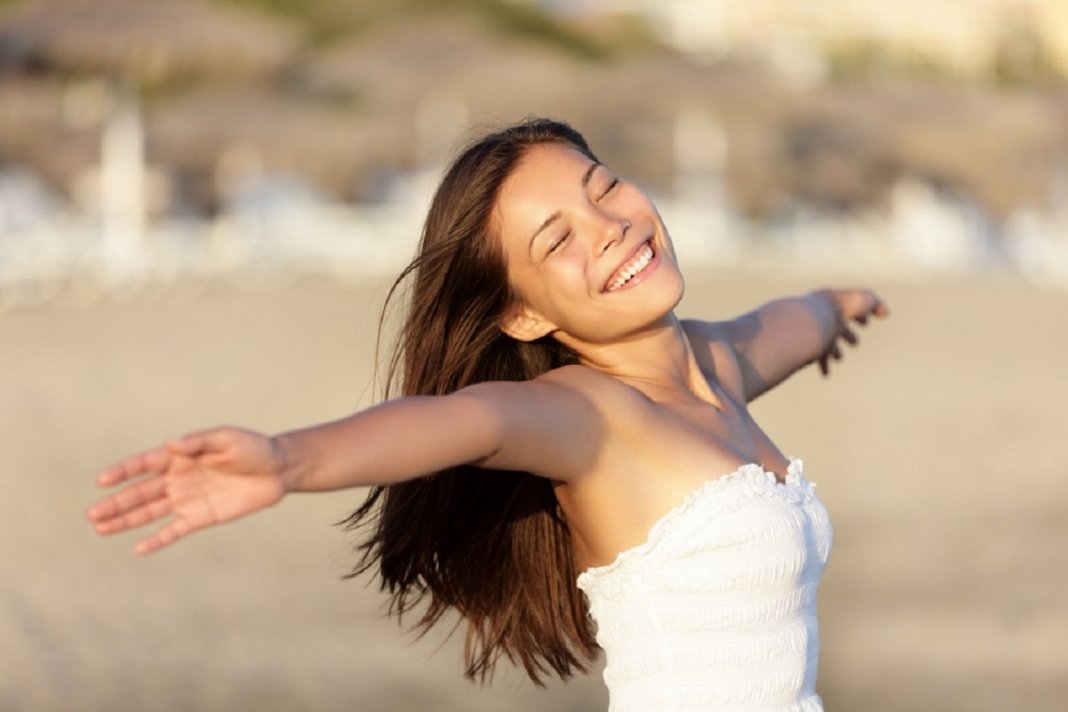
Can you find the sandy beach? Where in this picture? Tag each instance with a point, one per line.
(938, 447)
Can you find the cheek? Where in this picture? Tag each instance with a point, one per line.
(572, 268)
(561, 293)
(570, 285)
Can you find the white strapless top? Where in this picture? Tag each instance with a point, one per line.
(717, 609)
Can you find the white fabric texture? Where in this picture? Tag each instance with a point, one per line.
(717, 609)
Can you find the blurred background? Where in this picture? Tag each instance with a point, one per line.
(202, 203)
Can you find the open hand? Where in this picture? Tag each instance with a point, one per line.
(854, 306)
(199, 480)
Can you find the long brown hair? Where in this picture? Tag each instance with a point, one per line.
(491, 544)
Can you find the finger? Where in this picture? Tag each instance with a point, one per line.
(825, 367)
(835, 352)
(146, 513)
(850, 336)
(879, 309)
(861, 319)
(166, 536)
(132, 467)
(123, 502)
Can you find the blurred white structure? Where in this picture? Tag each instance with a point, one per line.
(965, 35)
(698, 213)
(272, 226)
(122, 187)
(1038, 246)
(933, 229)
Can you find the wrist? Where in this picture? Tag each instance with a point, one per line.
(831, 302)
(283, 448)
(829, 313)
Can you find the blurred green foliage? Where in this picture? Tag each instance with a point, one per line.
(861, 60)
(324, 20)
(524, 21)
(1022, 59)
(327, 20)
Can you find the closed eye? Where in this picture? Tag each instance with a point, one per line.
(558, 243)
(608, 189)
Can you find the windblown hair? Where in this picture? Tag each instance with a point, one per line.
(491, 544)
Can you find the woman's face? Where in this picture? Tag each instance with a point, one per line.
(586, 250)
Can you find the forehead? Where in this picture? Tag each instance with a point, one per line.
(548, 157)
(545, 177)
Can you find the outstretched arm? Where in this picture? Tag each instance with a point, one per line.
(775, 340)
(218, 475)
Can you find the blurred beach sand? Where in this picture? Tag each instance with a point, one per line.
(938, 447)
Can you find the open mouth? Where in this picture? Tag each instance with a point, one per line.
(633, 268)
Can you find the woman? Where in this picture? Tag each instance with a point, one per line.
(558, 418)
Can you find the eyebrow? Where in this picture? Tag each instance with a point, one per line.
(586, 177)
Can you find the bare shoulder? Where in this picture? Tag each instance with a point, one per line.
(556, 425)
(602, 390)
(712, 346)
(568, 387)
(603, 398)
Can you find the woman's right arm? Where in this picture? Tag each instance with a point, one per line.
(540, 426)
(214, 476)
(389, 443)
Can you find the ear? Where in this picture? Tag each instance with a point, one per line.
(524, 324)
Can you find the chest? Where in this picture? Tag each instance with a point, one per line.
(696, 440)
(742, 533)
(660, 454)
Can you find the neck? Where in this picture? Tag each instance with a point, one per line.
(658, 360)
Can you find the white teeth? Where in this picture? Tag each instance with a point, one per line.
(628, 271)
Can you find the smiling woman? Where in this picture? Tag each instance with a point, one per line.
(568, 465)
(602, 239)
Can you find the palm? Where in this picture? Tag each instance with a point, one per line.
(201, 480)
(205, 495)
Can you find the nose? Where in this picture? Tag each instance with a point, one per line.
(611, 231)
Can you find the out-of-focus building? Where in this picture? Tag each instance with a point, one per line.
(970, 37)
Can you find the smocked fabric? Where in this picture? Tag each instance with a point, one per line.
(717, 609)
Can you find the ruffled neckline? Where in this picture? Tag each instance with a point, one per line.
(794, 487)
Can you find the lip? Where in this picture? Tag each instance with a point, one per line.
(640, 276)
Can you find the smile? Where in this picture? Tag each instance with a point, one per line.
(632, 268)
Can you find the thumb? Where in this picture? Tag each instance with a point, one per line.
(193, 444)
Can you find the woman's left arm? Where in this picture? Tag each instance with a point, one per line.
(775, 340)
